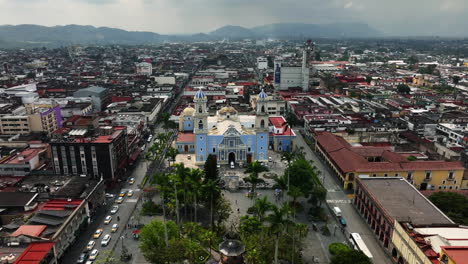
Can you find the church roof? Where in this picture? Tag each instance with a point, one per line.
(188, 111)
(228, 109)
(262, 95)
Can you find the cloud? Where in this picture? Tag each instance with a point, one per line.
(396, 17)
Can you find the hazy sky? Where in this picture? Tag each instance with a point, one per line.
(393, 17)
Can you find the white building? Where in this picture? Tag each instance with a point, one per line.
(286, 77)
(262, 63)
(144, 68)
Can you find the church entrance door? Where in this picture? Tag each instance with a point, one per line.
(186, 148)
(249, 158)
(232, 157)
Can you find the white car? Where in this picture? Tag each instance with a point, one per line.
(114, 209)
(107, 220)
(109, 195)
(93, 254)
(105, 241)
(130, 193)
(90, 245)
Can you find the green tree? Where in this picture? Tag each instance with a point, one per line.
(152, 243)
(254, 168)
(455, 205)
(350, 257)
(403, 89)
(279, 221)
(211, 168)
(171, 154)
(456, 79)
(338, 248)
(368, 79)
(262, 206)
(195, 185)
(412, 60)
(295, 192)
(254, 180)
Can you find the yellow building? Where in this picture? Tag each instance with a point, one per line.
(454, 255)
(348, 162)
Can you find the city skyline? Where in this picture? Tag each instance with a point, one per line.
(402, 18)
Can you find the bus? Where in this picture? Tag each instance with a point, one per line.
(359, 244)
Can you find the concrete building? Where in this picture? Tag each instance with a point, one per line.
(101, 152)
(99, 96)
(262, 63)
(25, 161)
(286, 77)
(144, 68)
(398, 214)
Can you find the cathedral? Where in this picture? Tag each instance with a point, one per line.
(231, 137)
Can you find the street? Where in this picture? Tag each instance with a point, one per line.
(337, 197)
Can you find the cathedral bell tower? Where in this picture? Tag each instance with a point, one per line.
(261, 127)
(200, 127)
(261, 122)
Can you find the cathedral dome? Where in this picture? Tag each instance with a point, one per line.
(188, 111)
(200, 94)
(262, 95)
(227, 110)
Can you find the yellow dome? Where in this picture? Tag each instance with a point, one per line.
(227, 110)
(188, 111)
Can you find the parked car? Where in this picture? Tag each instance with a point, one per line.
(107, 220)
(90, 245)
(105, 241)
(342, 221)
(270, 159)
(82, 258)
(114, 209)
(98, 233)
(109, 195)
(114, 228)
(232, 165)
(93, 254)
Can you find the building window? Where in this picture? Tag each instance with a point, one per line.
(450, 175)
(374, 175)
(248, 149)
(409, 176)
(428, 175)
(200, 124)
(214, 149)
(440, 187)
(396, 175)
(385, 175)
(262, 123)
(263, 109)
(200, 110)
(443, 182)
(450, 187)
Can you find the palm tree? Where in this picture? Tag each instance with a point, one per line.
(262, 206)
(281, 182)
(254, 180)
(171, 154)
(279, 220)
(194, 184)
(182, 178)
(162, 180)
(254, 168)
(288, 156)
(294, 192)
(212, 190)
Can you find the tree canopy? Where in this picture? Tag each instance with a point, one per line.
(453, 204)
(403, 89)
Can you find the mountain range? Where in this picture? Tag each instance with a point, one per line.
(37, 36)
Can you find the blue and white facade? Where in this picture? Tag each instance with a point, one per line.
(228, 136)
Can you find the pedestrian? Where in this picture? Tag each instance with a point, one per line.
(238, 210)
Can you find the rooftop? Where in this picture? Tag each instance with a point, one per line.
(458, 254)
(403, 202)
(30, 230)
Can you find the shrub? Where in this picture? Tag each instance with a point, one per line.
(337, 248)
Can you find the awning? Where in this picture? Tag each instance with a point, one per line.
(136, 231)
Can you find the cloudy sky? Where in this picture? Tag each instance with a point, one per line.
(392, 17)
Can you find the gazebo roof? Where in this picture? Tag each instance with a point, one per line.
(231, 248)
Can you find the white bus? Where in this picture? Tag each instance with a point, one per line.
(359, 244)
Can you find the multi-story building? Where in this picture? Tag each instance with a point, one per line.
(349, 162)
(274, 105)
(99, 96)
(144, 68)
(102, 152)
(24, 120)
(407, 224)
(25, 161)
(262, 63)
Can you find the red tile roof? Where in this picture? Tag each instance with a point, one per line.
(34, 253)
(30, 230)
(185, 137)
(458, 254)
(61, 204)
(353, 159)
